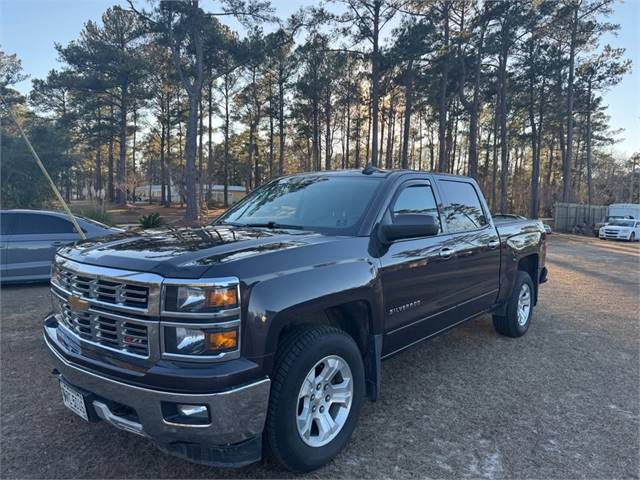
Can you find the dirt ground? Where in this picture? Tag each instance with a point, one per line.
(561, 402)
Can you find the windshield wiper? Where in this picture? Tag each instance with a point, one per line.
(272, 225)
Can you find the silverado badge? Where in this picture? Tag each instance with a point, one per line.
(77, 304)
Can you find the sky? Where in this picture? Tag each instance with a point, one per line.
(31, 28)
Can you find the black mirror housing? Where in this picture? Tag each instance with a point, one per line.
(409, 226)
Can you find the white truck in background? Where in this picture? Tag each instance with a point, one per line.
(624, 210)
(618, 211)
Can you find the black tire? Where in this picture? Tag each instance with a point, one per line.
(632, 238)
(508, 324)
(296, 356)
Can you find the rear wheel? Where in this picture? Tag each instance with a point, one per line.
(316, 396)
(515, 322)
(632, 237)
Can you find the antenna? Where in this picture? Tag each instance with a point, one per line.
(369, 169)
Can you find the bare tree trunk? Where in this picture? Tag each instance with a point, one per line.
(442, 100)
(271, 130)
(210, 162)
(382, 124)
(568, 158)
(98, 172)
(163, 178)
(408, 105)
(191, 212)
(391, 120)
(168, 171)
(504, 145)
(226, 140)
(375, 80)
(200, 151)
(347, 146)
(327, 134)
(589, 135)
(281, 121)
(121, 194)
(358, 120)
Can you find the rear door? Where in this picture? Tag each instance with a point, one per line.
(418, 280)
(33, 243)
(476, 245)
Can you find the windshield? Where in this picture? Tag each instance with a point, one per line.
(622, 223)
(314, 202)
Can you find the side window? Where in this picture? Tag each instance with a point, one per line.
(416, 200)
(34, 224)
(462, 207)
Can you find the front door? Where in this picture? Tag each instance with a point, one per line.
(416, 273)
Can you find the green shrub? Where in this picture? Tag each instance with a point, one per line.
(97, 213)
(152, 220)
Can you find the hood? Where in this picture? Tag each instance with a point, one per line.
(185, 252)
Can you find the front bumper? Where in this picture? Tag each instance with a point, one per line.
(615, 235)
(232, 438)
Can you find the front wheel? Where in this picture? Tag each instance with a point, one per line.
(316, 396)
(632, 237)
(519, 308)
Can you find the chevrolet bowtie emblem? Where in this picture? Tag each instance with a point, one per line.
(77, 304)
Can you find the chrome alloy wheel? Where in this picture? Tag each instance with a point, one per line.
(324, 401)
(524, 304)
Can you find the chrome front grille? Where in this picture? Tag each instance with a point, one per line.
(105, 328)
(116, 292)
(110, 308)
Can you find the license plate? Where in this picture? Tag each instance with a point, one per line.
(74, 400)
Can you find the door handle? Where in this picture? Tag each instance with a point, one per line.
(493, 244)
(57, 243)
(446, 253)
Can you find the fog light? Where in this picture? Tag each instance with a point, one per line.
(186, 414)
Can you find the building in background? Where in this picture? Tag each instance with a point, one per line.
(154, 192)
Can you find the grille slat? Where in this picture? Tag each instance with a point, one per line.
(108, 291)
(126, 336)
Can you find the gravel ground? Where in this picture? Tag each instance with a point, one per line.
(563, 401)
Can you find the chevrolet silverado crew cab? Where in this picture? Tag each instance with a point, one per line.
(266, 329)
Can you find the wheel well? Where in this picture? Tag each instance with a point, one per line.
(529, 264)
(355, 319)
(352, 317)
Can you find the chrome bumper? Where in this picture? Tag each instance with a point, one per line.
(237, 415)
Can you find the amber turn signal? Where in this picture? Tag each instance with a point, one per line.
(222, 297)
(223, 340)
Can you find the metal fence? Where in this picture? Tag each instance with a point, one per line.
(577, 217)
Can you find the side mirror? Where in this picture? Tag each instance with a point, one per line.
(409, 226)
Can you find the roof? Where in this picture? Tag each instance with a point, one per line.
(27, 210)
(375, 172)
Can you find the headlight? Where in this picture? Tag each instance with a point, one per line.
(190, 340)
(200, 299)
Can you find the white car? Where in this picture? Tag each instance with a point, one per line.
(621, 229)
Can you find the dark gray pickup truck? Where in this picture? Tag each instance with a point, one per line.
(268, 327)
